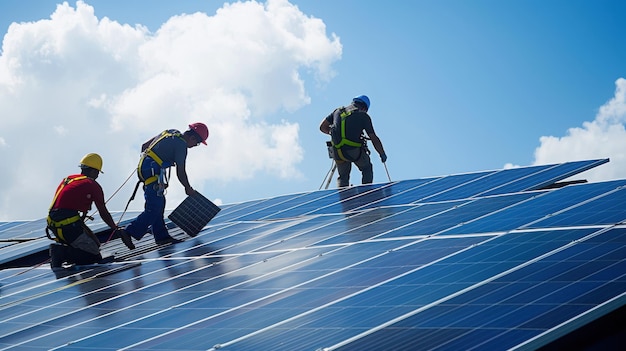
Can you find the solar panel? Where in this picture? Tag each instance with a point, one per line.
(432, 263)
(549, 175)
(519, 302)
(489, 183)
(459, 215)
(193, 214)
(546, 204)
(23, 230)
(605, 209)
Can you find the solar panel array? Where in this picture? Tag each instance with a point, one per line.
(479, 261)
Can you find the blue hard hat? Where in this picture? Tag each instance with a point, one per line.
(364, 99)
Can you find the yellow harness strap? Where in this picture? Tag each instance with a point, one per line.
(156, 159)
(345, 141)
(341, 156)
(67, 221)
(57, 225)
(148, 152)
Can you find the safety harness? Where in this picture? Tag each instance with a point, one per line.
(341, 123)
(154, 156)
(162, 178)
(57, 226)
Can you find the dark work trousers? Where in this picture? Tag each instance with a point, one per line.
(78, 246)
(363, 162)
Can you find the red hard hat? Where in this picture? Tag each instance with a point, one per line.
(201, 130)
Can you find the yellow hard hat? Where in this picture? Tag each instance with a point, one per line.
(91, 160)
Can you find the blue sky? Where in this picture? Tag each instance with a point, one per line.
(456, 86)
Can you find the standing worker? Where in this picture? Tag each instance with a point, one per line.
(76, 243)
(165, 150)
(345, 125)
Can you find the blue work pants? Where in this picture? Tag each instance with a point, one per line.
(154, 208)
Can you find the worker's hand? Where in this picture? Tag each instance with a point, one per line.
(189, 191)
(383, 157)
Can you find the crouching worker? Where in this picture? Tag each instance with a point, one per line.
(75, 242)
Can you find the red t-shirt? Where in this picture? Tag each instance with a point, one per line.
(79, 194)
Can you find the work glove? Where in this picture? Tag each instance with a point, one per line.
(383, 157)
(189, 191)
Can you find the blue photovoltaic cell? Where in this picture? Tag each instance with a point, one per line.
(379, 267)
(262, 208)
(23, 230)
(230, 212)
(194, 213)
(425, 190)
(545, 204)
(321, 205)
(557, 297)
(604, 210)
(368, 224)
(359, 201)
(442, 185)
(296, 210)
(294, 207)
(548, 176)
(5, 226)
(488, 182)
(348, 199)
(396, 189)
(377, 222)
(457, 214)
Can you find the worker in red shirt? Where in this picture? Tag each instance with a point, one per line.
(76, 243)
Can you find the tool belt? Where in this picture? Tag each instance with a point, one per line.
(341, 153)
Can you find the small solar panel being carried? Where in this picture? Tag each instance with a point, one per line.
(193, 214)
(479, 261)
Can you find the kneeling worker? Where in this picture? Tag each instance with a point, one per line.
(76, 243)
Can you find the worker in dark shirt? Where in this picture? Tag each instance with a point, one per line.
(158, 154)
(76, 243)
(346, 125)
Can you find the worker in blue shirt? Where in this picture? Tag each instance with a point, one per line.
(165, 150)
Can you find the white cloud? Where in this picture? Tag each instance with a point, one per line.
(603, 137)
(74, 84)
(60, 130)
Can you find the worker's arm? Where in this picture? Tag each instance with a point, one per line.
(183, 179)
(325, 126)
(378, 145)
(105, 214)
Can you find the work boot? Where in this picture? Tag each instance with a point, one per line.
(168, 240)
(126, 239)
(106, 260)
(57, 255)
